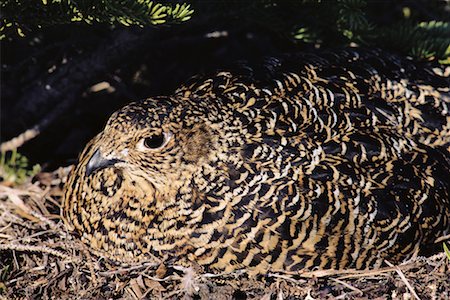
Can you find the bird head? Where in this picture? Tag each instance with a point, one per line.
(161, 140)
(140, 180)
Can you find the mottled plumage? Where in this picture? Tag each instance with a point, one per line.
(329, 160)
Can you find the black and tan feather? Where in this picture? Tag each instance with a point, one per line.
(331, 160)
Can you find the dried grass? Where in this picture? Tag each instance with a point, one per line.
(40, 259)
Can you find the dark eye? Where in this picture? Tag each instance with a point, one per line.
(154, 141)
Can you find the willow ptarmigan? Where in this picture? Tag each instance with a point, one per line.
(331, 160)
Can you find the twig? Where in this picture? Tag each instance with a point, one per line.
(170, 277)
(403, 277)
(34, 131)
(29, 237)
(14, 196)
(5, 236)
(29, 248)
(285, 277)
(360, 293)
(442, 238)
(7, 225)
(235, 273)
(19, 140)
(350, 272)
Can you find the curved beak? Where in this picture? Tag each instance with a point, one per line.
(98, 162)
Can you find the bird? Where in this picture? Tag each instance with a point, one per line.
(332, 159)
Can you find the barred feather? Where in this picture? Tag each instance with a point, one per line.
(329, 160)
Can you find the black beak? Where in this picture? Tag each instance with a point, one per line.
(98, 162)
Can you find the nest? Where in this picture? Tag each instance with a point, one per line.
(40, 259)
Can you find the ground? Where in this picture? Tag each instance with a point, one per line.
(40, 259)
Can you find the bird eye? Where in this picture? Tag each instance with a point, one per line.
(154, 142)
